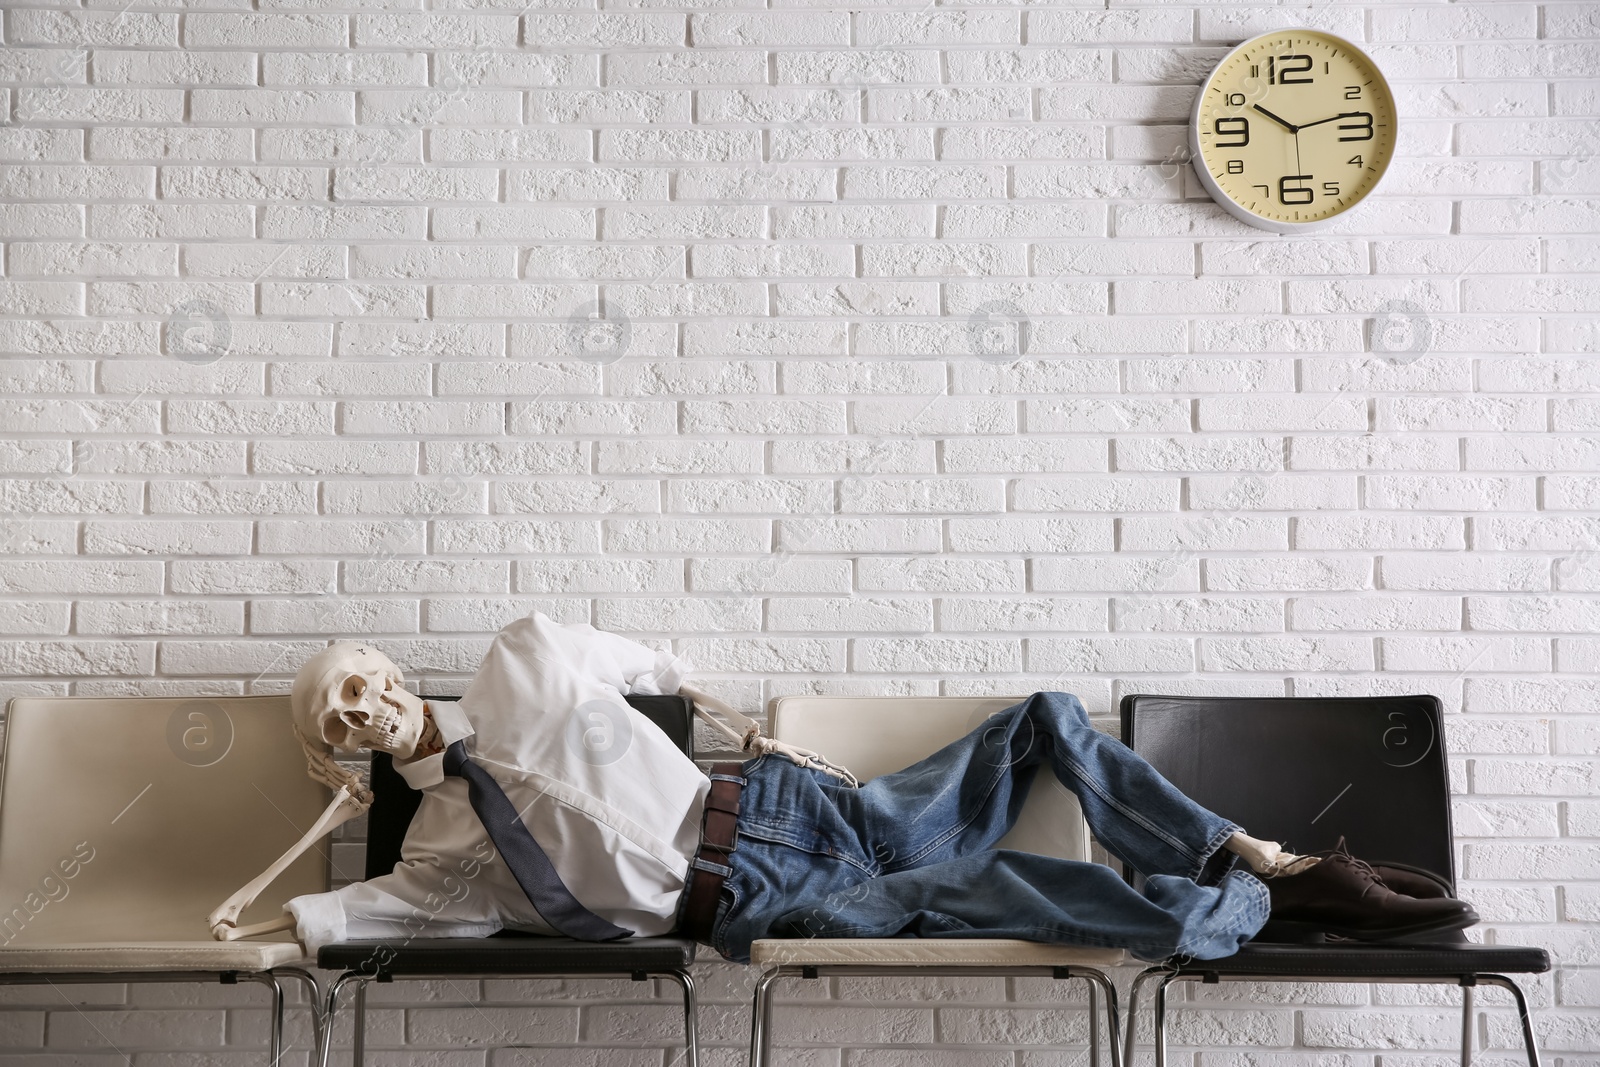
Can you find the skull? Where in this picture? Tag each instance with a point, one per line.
(349, 695)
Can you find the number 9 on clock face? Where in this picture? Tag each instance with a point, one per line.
(1293, 129)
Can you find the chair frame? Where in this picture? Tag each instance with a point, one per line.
(1099, 982)
(268, 978)
(1165, 974)
(361, 978)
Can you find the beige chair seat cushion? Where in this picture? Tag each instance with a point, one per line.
(928, 951)
(153, 956)
(119, 821)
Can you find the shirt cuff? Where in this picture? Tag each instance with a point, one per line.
(318, 919)
(664, 677)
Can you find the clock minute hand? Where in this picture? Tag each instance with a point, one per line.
(1285, 123)
(1332, 118)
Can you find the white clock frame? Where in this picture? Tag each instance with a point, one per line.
(1232, 206)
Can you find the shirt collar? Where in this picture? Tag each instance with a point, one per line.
(453, 726)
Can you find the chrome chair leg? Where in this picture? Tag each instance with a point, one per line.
(275, 1043)
(275, 1035)
(691, 1012)
(1099, 980)
(1160, 1004)
(1526, 1018)
(330, 1015)
(1094, 1022)
(1133, 1010)
(1466, 1025)
(358, 1036)
(761, 1018)
(313, 1001)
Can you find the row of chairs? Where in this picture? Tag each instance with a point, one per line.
(175, 803)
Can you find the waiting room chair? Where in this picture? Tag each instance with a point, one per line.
(1307, 771)
(878, 735)
(504, 955)
(125, 820)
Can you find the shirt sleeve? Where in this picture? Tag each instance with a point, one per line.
(416, 900)
(633, 667)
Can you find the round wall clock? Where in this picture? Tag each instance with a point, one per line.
(1293, 129)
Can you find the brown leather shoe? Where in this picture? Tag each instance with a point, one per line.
(1343, 895)
(1411, 882)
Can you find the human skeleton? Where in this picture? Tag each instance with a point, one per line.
(629, 833)
(350, 696)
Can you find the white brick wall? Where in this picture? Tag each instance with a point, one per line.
(295, 315)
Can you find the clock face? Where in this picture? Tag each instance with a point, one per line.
(1293, 128)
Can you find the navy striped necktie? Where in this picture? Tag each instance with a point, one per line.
(524, 858)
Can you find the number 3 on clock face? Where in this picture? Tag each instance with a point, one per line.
(1293, 129)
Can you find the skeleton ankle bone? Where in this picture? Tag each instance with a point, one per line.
(1267, 857)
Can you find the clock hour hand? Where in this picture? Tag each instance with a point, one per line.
(1332, 118)
(1285, 123)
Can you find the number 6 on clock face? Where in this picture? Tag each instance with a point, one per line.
(1293, 129)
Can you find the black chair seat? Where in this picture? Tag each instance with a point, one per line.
(1374, 961)
(527, 955)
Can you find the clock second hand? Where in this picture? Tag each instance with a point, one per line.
(1330, 118)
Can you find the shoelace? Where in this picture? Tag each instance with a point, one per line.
(1342, 852)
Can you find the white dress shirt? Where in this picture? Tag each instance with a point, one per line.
(611, 800)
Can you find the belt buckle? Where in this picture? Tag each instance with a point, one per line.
(730, 848)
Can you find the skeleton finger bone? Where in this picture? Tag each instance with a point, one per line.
(322, 767)
(715, 710)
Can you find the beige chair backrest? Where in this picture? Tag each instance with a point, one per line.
(879, 735)
(131, 818)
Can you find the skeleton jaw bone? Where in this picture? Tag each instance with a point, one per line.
(348, 696)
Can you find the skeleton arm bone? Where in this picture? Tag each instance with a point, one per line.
(746, 733)
(223, 921)
(351, 800)
(271, 926)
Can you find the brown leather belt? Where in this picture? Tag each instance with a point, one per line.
(719, 837)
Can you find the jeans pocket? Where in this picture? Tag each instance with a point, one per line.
(727, 908)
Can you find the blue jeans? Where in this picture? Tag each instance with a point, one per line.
(909, 854)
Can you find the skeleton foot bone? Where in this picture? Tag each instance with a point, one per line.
(1267, 858)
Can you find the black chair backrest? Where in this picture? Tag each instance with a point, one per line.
(1308, 770)
(394, 802)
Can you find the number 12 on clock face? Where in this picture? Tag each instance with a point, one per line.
(1293, 129)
